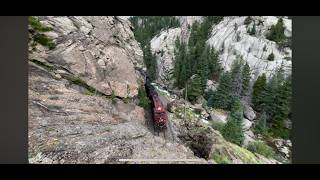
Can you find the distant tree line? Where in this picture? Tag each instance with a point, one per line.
(145, 28)
(196, 59)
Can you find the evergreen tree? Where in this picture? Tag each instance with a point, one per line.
(222, 97)
(248, 20)
(214, 65)
(252, 31)
(277, 32)
(262, 123)
(282, 108)
(203, 69)
(258, 88)
(150, 62)
(233, 129)
(194, 88)
(246, 75)
(271, 57)
(236, 76)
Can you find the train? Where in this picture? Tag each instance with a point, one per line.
(159, 114)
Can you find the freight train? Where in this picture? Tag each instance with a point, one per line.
(159, 114)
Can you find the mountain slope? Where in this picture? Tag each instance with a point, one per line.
(254, 49)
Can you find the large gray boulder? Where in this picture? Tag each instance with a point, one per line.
(248, 111)
(246, 124)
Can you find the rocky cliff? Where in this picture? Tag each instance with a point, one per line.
(101, 51)
(232, 42)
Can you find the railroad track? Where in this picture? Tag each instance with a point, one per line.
(166, 133)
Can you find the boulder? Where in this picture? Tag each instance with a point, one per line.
(246, 124)
(173, 105)
(283, 146)
(219, 116)
(288, 124)
(247, 140)
(201, 100)
(248, 112)
(211, 85)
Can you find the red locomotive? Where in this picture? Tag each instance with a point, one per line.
(159, 114)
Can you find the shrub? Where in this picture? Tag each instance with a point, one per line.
(221, 159)
(125, 100)
(44, 40)
(37, 35)
(271, 57)
(261, 148)
(113, 97)
(143, 98)
(248, 20)
(217, 126)
(264, 48)
(36, 25)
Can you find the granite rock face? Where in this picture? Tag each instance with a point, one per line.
(99, 50)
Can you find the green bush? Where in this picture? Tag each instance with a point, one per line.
(37, 35)
(278, 129)
(113, 97)
(125, 100)
(143, 98)
(248, 20)
(264, 48)
(217, 126)
(36, 25)
(271, 57)
(44, 40)
(261, 148)
(221, 159)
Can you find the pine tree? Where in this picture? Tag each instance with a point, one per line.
(194, 88)
(252, 31)
(203, 69)
(277, 32)
(214, 64)
(236, 76)
(248, 20)
(233, 129)
(271, 57)
(282, 108)
(258, 88)
(246, 75)
(150, 62)
(262, 123)
(222, 97)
